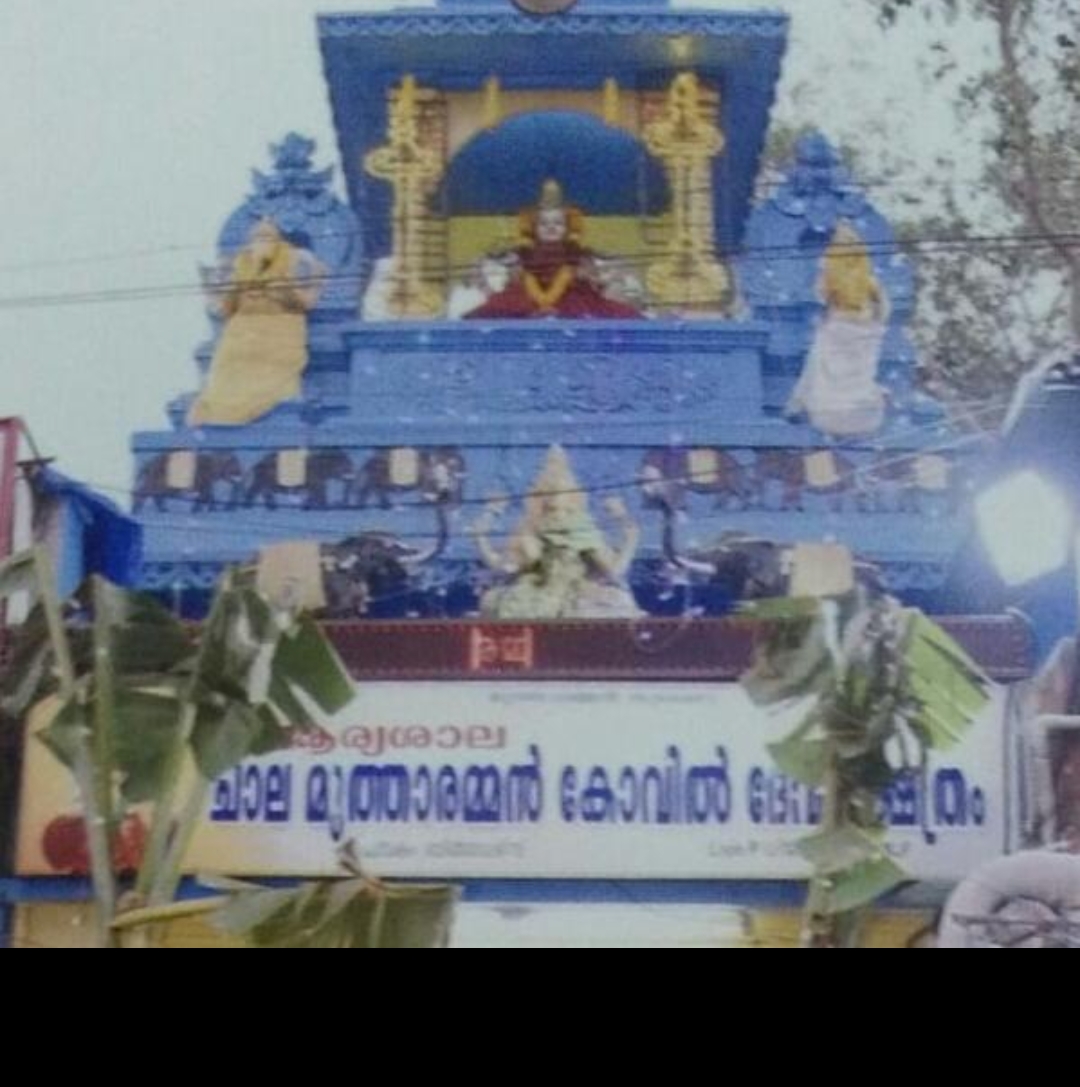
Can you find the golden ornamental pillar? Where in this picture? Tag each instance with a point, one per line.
(686, 140)
(412, 169)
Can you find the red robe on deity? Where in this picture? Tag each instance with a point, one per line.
(551, 281)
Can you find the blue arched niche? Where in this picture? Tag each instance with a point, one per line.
(603, 170)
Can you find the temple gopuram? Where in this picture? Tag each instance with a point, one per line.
(556, 333)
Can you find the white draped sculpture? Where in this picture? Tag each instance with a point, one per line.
(838, 388)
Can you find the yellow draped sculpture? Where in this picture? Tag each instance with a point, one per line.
(263, 349)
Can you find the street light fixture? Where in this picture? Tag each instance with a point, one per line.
(1025, 523)
(1028, 518)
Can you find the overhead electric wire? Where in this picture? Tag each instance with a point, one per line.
(771, 184)
(1005, 243)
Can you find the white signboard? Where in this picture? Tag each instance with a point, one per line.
(560, 780)
(586, 780)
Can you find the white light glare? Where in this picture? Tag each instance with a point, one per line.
(1026, 526)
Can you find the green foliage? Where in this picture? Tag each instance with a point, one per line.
(251, 676)
(305, 660)
(990, 217)
(144, 729)
(142, 696)
(853, 866)
(792, 659)
(225, 734)
(861, 884)
(27, 677)
(805, 760)
(882, 686)
(986, 309)
(346, 913)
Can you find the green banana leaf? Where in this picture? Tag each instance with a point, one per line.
(344, 913)
(792, 661)
(144, 729)
(863, 883)
(804, 759)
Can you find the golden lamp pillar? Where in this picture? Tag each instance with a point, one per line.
(686, 140)
(412, 169)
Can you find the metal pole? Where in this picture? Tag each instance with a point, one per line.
(10, 432)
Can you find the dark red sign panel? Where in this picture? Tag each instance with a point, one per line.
(677, 649)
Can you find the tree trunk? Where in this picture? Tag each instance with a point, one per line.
(1074, 298)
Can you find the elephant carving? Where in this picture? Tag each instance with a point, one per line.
(269, 479)
(902, 482)
(207, 480)
(710, 471)
(438, 471)
(798, 473)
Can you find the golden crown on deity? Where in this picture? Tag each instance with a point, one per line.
(554, 490)
(551, 199)
(551, 194)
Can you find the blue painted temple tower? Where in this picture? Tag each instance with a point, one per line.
(564, 350)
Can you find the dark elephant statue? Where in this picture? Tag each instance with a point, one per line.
(439, 472)
(216, 482)
(369, 567)
(321, 468)
(744, 567)
(704, 471)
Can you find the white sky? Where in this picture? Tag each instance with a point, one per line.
(129, 128)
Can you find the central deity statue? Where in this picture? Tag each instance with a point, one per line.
(557, 564)
(552, 274)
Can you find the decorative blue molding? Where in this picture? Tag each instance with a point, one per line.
(450, 588)
(427, 23)
(666, 337)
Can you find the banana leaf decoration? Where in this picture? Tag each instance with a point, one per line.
(883, 686)
(146, 708)
(354, 912)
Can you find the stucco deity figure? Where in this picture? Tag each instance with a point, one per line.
(552, 274)
(262, 351)
(838, 387)
(558, 564)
